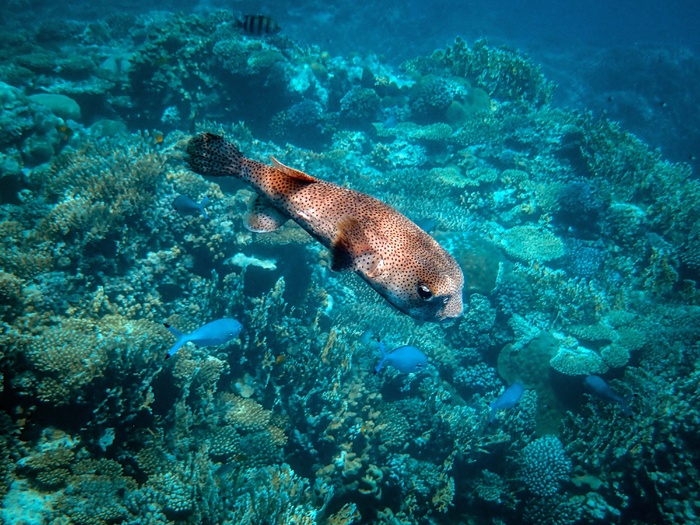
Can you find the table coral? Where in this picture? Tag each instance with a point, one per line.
(529, 243)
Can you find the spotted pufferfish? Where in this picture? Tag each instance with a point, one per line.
(393, 255)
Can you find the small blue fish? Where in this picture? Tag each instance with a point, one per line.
(601, 389)
(186, 206)
(507, 399)
(405, 359)
(215, 333)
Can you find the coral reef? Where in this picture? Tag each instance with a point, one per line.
(545, 466)
(580, 247)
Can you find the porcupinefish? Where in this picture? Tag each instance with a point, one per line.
(405, 359)
(186, 206)
(392, 254)
(507, 399)
(601, 389)
(211, 334)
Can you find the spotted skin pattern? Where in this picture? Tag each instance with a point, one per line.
(392, 254)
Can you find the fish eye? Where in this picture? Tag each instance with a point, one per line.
(424, 292)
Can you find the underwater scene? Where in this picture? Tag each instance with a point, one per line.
(304, 263)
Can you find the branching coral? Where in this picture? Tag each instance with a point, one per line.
(99, 191)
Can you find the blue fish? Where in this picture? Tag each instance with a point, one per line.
(507, 399)
(186, 206)
(601, 389)
(405, 359)
(215, 333)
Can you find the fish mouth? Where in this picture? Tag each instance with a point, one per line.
(452, 310)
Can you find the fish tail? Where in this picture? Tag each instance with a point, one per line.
(492, 415)
(379, 366)
(381, 363)
(201, 207)
(213, 156)
(181, 339)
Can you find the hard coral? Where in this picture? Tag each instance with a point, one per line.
(545, 466)
(503, 73)
(70, 356)
(580, 209)
(100, 192)
(529, 243)
(360, 106)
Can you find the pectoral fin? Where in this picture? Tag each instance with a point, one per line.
(351, 250)
(262, 217)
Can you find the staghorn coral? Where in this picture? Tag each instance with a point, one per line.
(98, 493)
(10, 294)
(490, 487)
(620, 452)
(274, 494)
(175, 494)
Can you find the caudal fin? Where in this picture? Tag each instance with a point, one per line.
(213, 156)
(181, 340)
(384, 354)
(201, 207)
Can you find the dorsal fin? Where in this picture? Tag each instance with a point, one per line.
(295, 174)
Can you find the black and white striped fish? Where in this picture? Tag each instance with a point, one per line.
(259, 25)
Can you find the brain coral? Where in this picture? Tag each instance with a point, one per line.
(529, 243)
(545, 466)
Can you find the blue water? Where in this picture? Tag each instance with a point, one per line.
(550, 148)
